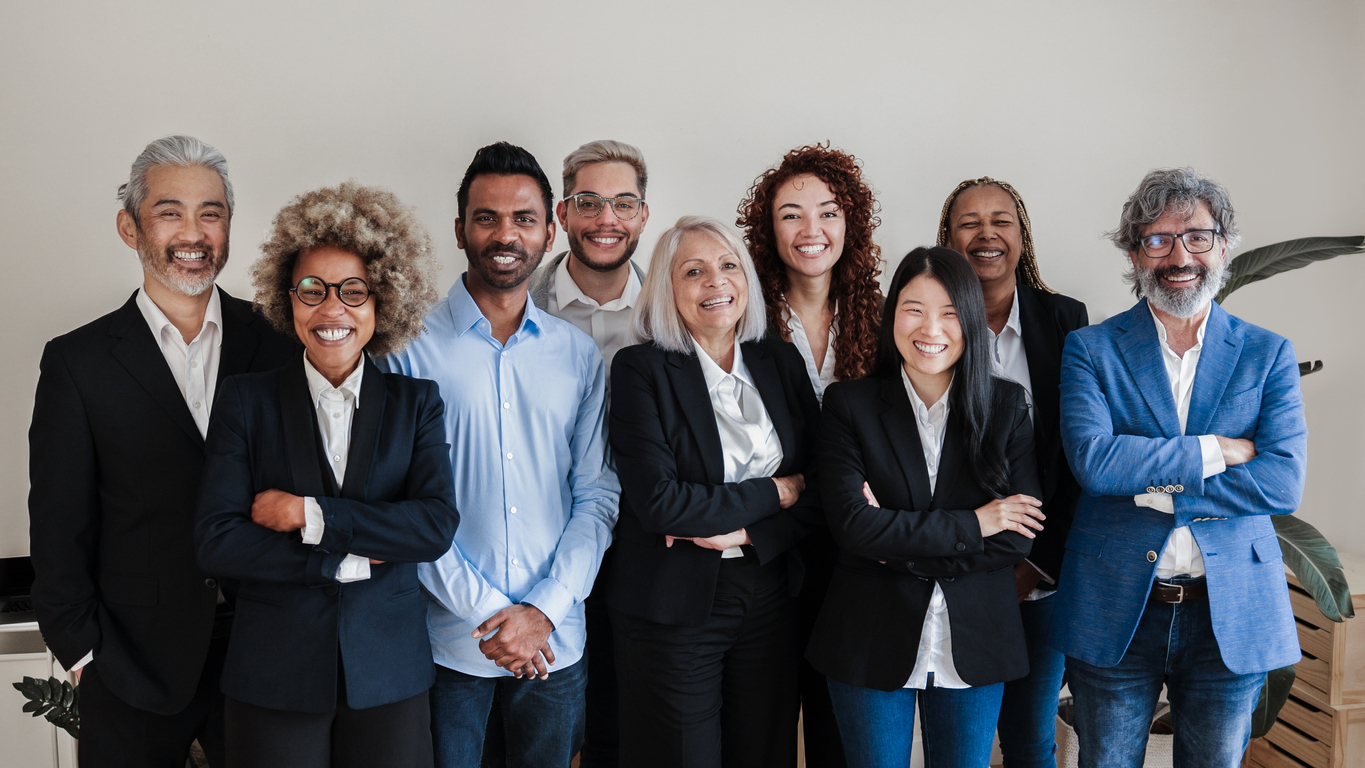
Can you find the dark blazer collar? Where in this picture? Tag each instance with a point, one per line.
(1044, 358)
(301, 439)
(240, 336)
(138, 352)
(902, 432)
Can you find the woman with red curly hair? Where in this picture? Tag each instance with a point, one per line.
(808, 224)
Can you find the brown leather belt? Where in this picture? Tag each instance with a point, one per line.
(1179, 593)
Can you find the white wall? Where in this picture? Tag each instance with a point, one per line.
(1070, 101)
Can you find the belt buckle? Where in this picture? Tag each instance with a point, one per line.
(1180, 596)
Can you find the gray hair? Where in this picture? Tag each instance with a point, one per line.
(184, 151)
(604, 151)
(1178, 191)
(656, 315)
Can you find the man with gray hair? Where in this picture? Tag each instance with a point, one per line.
(1185, 427)
(115, 450)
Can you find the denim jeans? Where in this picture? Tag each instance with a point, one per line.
(958, 724)
(1211, 706)
(543, 719)
(1028, 711)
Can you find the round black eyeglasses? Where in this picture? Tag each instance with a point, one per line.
(312, 291)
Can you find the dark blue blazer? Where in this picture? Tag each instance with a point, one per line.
(396, 505)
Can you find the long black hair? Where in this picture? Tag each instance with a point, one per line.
(973, 393)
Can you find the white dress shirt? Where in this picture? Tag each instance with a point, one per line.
(194, 365)
(1181, 556)
(820, 375)
(935, 652)
(747, 437)
(608, 324)
(336, 407)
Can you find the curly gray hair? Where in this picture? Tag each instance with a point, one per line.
(373, 224)
(1171, 190)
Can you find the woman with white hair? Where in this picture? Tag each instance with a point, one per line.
(712, 427)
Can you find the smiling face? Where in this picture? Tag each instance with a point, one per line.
(333, 333)
(709, 286)
(927, 333)
(506, 230)
(181, 232)
(808, 226)
(983, 225)
(1183, 283)
(604, 242)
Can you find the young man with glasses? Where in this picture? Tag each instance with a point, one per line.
(1185, 427)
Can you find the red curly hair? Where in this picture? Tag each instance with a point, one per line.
(853, 287)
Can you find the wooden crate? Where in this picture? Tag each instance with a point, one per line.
(1332, 671)
(1309, 735)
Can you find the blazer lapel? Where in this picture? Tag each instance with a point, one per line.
(949, 462)
(1044, 360)
(300, 440)
(1222, 349)
(1141, 351)
(689, 385)
(365, 431)
(903, 434)
(763, 369)
(239, 338)
(138, 352)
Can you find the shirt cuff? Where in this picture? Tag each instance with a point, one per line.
(1161, 502)
(1041, 572)
(86, 659)
(552, 598)
(313, 524)
(1213, 455)
(353, 568)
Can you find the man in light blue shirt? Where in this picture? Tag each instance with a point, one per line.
(524, 396)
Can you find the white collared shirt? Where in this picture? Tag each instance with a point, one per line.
(747, 437)
(608, 324)
(935, 652)
(1181, 555)
(336, 407)
(194, 365)
(821, 376)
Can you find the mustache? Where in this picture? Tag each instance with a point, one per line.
(1192, 269)
(494, 249)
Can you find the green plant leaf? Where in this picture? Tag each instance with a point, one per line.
(1308, 367)
(1315, 563)
(1259, 263)
(1274, 693)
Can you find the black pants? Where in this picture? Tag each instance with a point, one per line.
(824, 748)
(396, 735)
(115, 734)
(601, 745)
(722, 694)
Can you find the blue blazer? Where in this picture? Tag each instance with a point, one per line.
(396, 505)
(1122, 436)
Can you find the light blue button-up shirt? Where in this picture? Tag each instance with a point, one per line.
(537, 499)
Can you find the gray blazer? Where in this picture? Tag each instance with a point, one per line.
(540, 281)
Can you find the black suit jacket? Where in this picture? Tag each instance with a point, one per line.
(397, 504)
(1046, 319)
(668, 456)
(114, 460)
(868, 631)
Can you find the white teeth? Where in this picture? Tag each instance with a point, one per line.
(1181, 278)
(810, 249)
(717, 302)
(333, 334)
(988, 254)
(931, 349)
(190, 255)
(605, 240)
(504, 260)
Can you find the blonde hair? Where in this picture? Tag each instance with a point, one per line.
(604, 151)
(656, 315)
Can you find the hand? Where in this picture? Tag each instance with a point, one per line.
(1026, 579)
(720, 543)
(278, 511)
(376, 562)
(1236, 450)
(1016, 513)
(867, 494)
(789, 489)
(522, 638)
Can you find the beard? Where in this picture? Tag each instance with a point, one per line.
(1182, 302)
(580, 253)
(482, 265)
(165, 269)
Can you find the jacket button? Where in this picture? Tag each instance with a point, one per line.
(331, 589)
(1179, 488)
(211, 583)
(909, 563)
(961, 547)
(1151, 556)
(1151, 489)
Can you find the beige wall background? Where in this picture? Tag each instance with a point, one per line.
(1071, 101)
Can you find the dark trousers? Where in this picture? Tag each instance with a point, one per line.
(396, 735)
(115, 734)
(601, 743)
(542, 720)
(819, 728)
(721, 694)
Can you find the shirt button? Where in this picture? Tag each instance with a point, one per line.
(1151, 556)
(515, 561)
(506, 405)
(509, 455)
(514, 510)
(336, 414)
(336, 458)
(194, 363)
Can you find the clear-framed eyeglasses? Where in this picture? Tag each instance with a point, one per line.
(590, 206)
(1160, 244)
(313, 291)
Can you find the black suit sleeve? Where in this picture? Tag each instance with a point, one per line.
(663, 502)
(421, 527)
(777, 533)
(64, 519)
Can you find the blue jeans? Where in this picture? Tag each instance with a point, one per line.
(1028, 711)
(877, 727)
(1210, 705)
(543, 719)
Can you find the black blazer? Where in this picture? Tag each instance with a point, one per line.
(668, 456)
(868, 631)
(114, 460)
(1046, 319)
(396, 505)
